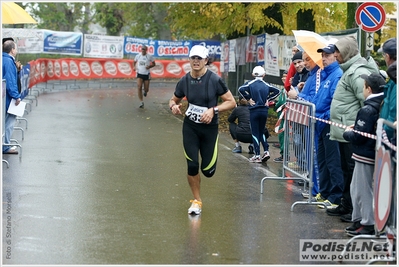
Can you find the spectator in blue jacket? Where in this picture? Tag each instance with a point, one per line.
(258, 93)
(10, 74)
(361, 188)
(388, 110)
(331, 180)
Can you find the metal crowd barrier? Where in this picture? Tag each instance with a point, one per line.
(385, 194)
(299, 140)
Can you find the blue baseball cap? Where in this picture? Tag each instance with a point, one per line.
(329, 49)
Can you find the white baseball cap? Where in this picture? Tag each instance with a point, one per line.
(258, 71)
(199, 51)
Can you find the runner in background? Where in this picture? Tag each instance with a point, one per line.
(142, 64)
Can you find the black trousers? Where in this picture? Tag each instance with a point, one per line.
(347, 165)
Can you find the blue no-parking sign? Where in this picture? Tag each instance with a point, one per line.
(370, 16)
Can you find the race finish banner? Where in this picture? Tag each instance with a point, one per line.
(44, 69)
(66, 43)
(103, 46)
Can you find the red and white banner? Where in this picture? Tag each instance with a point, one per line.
(43, 70)
(298, 113)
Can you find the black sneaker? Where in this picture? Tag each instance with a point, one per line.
(251, 149)
(302, 182)
(346, 217)
(362, 230)
(338, 211)
(356, 225)
(279, 160)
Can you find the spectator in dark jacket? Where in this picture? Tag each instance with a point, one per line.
(361, 188)
(240, 131)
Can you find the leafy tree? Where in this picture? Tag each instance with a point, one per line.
(111, 16)
(60, 16)
(144, 20)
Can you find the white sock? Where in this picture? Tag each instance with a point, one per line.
(237, 144)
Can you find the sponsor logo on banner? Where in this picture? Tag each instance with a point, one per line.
(158, 69)
(174, 68)
(125, 68)
(97, 68)
(85, 68)
(57, 68)
(50, 69)
(43, 69)
(74, 68)
(110, 68)
(65, 68)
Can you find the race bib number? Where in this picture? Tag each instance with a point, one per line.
(195, 112)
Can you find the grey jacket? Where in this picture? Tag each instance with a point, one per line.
(348, 97)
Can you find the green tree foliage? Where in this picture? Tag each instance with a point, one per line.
(205, 20)
(111, 16)
(60, 16)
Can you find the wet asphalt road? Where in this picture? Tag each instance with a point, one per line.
(101, 181)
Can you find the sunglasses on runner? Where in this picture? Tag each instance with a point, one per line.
(196, 57)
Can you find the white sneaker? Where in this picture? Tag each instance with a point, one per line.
(196, 207)
(265, 156)
(256, 159)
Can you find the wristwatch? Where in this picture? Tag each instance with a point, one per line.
(215, 110)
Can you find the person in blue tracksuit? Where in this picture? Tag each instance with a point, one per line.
(331, 180)
(258, 93)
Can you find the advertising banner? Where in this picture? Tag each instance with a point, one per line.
(232, 56)
(103, 46)
(132, 45)
(251, 49)
(42, 70)
(214, 47)
(172, 49)
(260, 50)
(24, 78)
(240, 51)
(224, 58)
(285, 51)
(271, 50)
(30, 45)
(67, 43)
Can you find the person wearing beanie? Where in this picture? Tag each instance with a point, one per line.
(388, 109)
(348, 99)
(291, 70)
(301, 75)
(258, 93)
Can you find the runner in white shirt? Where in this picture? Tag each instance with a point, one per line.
(142, 64)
